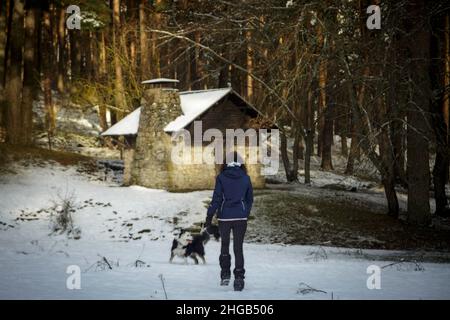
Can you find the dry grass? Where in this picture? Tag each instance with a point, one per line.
(287, 217)
(11, 153)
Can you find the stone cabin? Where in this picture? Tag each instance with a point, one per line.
(164, 110)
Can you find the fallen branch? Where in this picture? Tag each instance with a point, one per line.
(164, 288)
(399, 264)
(306, 289)
(107, 262)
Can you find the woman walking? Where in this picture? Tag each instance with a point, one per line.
(232, 200)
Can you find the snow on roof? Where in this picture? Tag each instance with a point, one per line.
(193, 104)
(128, 125)
(160, 80)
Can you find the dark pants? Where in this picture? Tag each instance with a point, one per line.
(239, 227)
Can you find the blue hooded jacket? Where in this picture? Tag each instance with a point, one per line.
(233, 195)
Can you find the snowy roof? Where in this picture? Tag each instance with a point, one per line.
(193, 104)
(128, 125)
(160, 80)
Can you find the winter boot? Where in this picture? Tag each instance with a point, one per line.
(239, 279)
(225, 273)
(225, 277)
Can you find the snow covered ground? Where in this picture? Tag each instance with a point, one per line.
(133, 227)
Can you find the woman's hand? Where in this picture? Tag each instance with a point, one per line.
(208, 221)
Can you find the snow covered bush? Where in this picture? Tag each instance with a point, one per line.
(317, 254)
(307, 289)
(62, 220)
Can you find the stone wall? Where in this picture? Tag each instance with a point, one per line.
(254, 171)
(152, 154)
(192, 177)
(203, 176)
(128, 158)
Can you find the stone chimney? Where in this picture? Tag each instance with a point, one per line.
(160, 105)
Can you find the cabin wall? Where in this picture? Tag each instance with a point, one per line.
(203, 176)
(225, 115)
(192, 176)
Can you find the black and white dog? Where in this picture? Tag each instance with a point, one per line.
(187, 245)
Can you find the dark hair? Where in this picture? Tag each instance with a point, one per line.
(236, 157)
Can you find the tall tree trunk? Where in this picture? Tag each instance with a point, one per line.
(94, 49)
(354, 145)
(301, 150)
(327, 138)
(440, 170)
(3, 33)
(397, 130)
(9, 10)
(88, 68)
(291, 172)
(341, 126)
(354, 153)
(284, 155)
(226, 51)
(30, 74)
(61, 49)
(3, 36)
(143, 41)
(354, 148)
(388, 181)
(224, 77)
(386, 158)
(248, 36)
(322, 81)
(195, 83)
(119, 92)
(439, 113)
(188, 58)
(417, 133)
(344, 147)
(295, 154)
(446, 99)
(47, 52)
(309, 137)
(327, 95)
(237, 81)
(156, 67)
(398, 144)
(130, 38)
(133, 53)
(199, 72)
(102, 117)
(102, 74)
(13, 85)
(102, 56)
(321, 111)
(309, 142)
(382, 162)
(75, 54)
